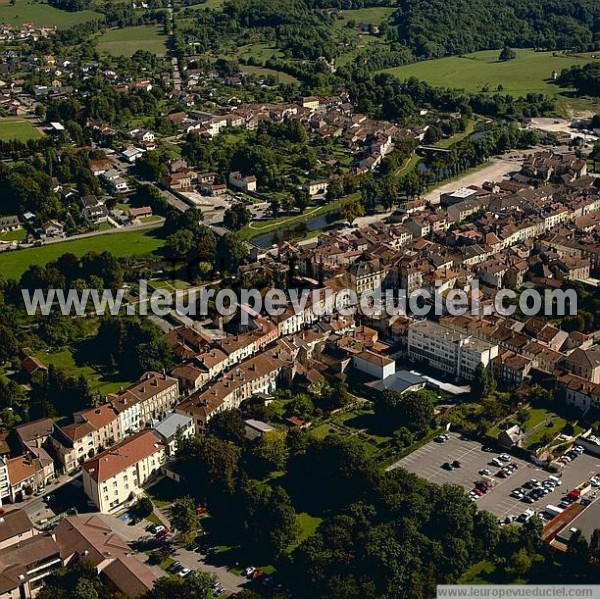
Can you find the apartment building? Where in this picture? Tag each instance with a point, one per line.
(89, 537)
(448, 350)
(4, 481)
(150, 398)
(24, 565)
(259, 374)
(93, 430)
(585, 363)
(118, 474)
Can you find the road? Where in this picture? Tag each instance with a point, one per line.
(36, 508)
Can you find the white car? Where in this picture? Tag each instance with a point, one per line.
(249, 571)
(184, 572)
(497, 462)
(504, 457)
(484, 472)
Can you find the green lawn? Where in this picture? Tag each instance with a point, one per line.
(282, 77)
(373, 16)
(26, 11)
(529, 72)
(131, 243)
(259, 51)
(211, 4)
(308, 525)
(64, 359)
(127, 41)
(18, 235)
(17, 128)
(164, 492)
(268, 226)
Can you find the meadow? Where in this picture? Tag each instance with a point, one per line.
(127, 41)
(281, 76)
(530, 72)
(131, 243)
(27, 11)
(17, 128)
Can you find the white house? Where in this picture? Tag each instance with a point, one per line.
(374, 364)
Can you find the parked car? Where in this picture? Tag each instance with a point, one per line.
(249, 571)
(184, 572)
(504, 457)
(496, 462)
(447, 466)
(456, 464)
(175, 567)
(485, 472)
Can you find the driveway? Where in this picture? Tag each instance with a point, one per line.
(189, 559)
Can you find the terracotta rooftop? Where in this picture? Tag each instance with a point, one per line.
(114, 460)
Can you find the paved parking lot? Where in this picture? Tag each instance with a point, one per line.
(427, 463)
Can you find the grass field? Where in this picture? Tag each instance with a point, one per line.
(18, 235)
(26, 11)
(127, 41)
(14, 264)
(373, 16)
(64, 359)
(282, 77)
(529, 72)
(17, 128)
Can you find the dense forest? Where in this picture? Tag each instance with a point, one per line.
(434, 28)
(585, 79)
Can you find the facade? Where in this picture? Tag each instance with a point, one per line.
(174, 428)
(237, 180)
(374, 364)
(117, 475)
(24, 566)
(89, 538)
(448, 350)
(150, 398)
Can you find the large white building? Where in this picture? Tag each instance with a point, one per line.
(448, 350)
(118, 474)
(148, 399)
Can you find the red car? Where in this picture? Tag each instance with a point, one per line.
(501, 474)
(201, 509)
(478, 492)
(257, 574)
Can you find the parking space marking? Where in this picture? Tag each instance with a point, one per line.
(427, 461)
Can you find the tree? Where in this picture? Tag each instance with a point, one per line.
(237, 217)
(483, 383)
(184, 518)
(594, 549)
(8, 344)
(212, 466)
(301, 199)
(197, 585)
(180, 243)
(302, 406)
(231, 252)
(78, 581)
(352, 210)
(507, 53)
(145, 506)
(148, 166)
(228, 425)
(271, 450)
(412, 410)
